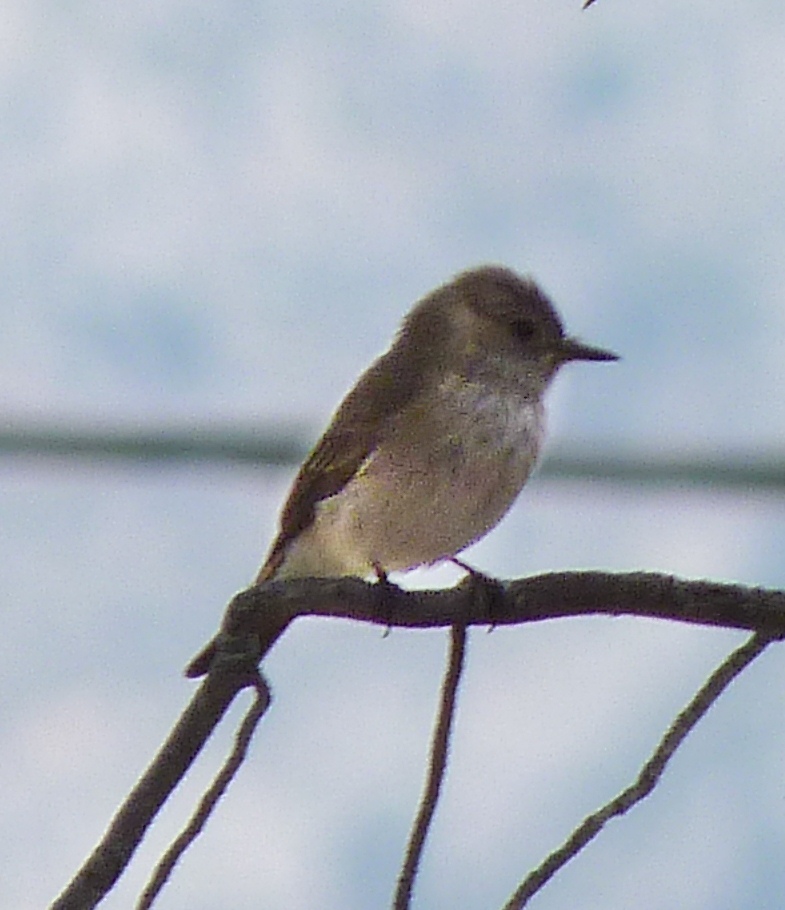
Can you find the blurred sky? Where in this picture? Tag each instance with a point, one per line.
(217, 213)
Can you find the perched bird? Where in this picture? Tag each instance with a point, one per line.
(433, 444)
(431, 447)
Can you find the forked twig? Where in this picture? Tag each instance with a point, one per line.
(650, 773)
(103, 867)
(256, 619)
(436, 767)
(207, 803)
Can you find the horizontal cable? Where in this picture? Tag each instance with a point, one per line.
(155, 445)
(286, 447)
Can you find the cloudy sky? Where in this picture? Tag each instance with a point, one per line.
(215, 214)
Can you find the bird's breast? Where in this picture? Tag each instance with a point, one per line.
(442, 475)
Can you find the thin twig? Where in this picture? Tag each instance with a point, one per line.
(649, 775)
(438, 762)
(106, 863)
(216, 790)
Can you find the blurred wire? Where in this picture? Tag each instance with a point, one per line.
(287, 447)
(283, 447)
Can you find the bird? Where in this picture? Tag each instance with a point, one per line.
(434, 443)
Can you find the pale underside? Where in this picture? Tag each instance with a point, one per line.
(440, 480)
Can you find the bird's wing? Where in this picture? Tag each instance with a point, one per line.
(381, 392)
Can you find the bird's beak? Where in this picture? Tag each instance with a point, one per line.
(572, 349)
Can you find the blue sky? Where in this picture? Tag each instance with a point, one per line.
(216, 213)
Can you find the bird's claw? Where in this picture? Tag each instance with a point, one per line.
(488, 593)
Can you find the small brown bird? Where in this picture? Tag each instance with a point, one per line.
(431, 447)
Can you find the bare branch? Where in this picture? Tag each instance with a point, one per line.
(256, 618)
(649, 775)
(210, 799)
(231, 672)
(260, 614)
(438, 763)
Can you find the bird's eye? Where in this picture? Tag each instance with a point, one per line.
(523, 329)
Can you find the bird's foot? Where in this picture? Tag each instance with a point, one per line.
(488, 593)
(387, 592)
